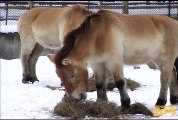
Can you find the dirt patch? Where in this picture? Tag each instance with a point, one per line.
(79, 109)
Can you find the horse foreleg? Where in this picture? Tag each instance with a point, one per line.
(99, 72)
(174, 88)
(121, 84)
(110, 85)
(38, 49)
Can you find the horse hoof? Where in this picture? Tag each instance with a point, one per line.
(125, 103)
(28, 79)
(25, 81)
(161, 102)
(101, 99)
(33, 79)
(173, 99)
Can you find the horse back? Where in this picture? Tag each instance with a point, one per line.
(48, 26)
(149, 37)
(38, 16)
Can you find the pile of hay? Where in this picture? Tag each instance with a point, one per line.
(131, 84)
(110, 85)
(73, 109)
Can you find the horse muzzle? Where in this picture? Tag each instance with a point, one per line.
(79, 95)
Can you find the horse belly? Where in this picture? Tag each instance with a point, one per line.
(142, 52)
(46, 33)
(138, 58)
(48, 40)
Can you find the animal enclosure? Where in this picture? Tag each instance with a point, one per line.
(12, 10)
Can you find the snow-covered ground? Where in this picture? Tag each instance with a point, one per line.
(36, 101)
(8, 28)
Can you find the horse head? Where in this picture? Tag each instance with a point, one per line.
(72, 73)
(73, 76)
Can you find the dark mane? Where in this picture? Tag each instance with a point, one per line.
(70, 39)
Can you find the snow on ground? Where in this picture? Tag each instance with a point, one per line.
(36, 101)
(8, 28)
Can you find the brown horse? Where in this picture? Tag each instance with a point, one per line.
(118, 39)
(41, 28)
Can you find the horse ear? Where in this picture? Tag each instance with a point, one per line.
(51, 57)
(66, 61)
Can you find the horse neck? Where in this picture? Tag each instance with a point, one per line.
(83, 45)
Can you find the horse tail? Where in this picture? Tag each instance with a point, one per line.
(176, 67)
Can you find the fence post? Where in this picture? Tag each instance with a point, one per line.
(177, 13)
(88, 6)
(30, 3)
(125, 9)
(169, 7)
(101, 6)
(6, 11)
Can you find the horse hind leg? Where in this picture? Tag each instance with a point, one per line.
(176, 67)
(26, 50)
(174, 85)
(166, 73)
(38, 49)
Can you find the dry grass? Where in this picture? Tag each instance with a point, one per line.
(131, 84)
(137, 108)
(51, 87)
(79, 109)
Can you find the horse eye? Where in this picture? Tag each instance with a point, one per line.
(72, 76)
